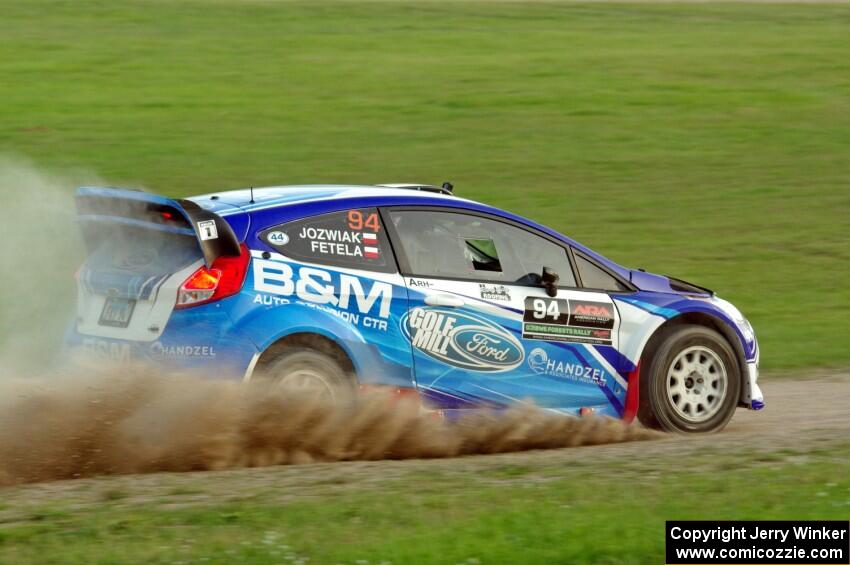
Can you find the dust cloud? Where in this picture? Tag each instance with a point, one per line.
(40, 249)
(136, 421)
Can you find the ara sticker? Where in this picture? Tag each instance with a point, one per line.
(591, 314)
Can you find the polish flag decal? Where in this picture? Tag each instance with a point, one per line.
(370, 246)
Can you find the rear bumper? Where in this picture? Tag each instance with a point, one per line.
(199, 340)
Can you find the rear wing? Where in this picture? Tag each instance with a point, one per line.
(98, 206)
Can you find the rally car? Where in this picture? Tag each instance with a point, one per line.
(406, 286)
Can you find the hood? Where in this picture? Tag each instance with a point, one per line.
(660, 283)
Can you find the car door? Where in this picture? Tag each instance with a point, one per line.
(483, 328)
(333, 273)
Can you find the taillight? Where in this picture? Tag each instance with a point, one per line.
(223, 279)
(199, 288)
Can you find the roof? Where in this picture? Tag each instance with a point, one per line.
(273, 196)
(321, 197)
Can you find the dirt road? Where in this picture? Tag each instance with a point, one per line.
(803, 414)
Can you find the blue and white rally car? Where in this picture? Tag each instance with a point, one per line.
(405, 286)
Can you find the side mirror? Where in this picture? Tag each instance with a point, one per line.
(550, 281)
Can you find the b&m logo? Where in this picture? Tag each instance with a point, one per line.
(462, 340)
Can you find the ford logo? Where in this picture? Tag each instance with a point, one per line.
(140, 258)
(463, 340)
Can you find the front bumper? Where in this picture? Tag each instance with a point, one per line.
(753, 397)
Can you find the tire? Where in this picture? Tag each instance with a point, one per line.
(309, 371)
(690, 382)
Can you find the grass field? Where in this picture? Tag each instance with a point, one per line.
(707, 141)
(501, 512)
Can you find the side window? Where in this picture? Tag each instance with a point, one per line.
(594, 277)
(462, 246)
(353, 238)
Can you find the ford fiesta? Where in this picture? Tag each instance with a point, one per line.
(406, 286)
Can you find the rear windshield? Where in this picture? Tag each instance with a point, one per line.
(131, 261)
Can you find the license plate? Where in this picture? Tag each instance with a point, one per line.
(117, 312)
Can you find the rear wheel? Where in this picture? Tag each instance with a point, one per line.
(690, 382)
(310, 372)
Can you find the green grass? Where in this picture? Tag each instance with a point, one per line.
(575, 514)
(710, 142)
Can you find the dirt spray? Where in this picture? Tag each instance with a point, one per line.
(116, 421)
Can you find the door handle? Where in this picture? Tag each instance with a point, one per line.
(444, 300)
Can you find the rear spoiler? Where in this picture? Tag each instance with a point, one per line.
(151, 211)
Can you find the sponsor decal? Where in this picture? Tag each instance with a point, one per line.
(160, 351)
(318, 286)
(462, 340)
(270, 300)
(420, 284)
(591, 314)
(566, 333)
(111, 351)
(494, 292)
(207, 230)
(350, 317)
(277, 238)
(540, 363)
(557, 319)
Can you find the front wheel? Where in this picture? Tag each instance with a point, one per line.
(690, 383)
